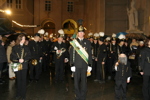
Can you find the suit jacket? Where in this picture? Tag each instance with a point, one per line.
(145, 61)
(17, 53)
(123, 72)
(78, 62)
(102, 53)
(47, 47)
(113, 53)
(35, 49)
(94, 49)
(3, 57)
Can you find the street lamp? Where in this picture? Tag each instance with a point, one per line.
(8, 12)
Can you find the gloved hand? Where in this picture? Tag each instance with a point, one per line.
(89, 69)
(73, 69)
(66, 60)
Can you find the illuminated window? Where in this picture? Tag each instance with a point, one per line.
(70, 7)
(47, 5)
(18, 4)
(9, 3)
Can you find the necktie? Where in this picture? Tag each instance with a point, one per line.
(81, 41)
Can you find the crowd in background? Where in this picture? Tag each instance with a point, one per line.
(104, 52)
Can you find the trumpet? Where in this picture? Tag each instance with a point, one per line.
(62, 51)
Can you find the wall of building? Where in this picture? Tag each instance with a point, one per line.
(109, 16)
(116, 16)
(59, 13)
(23, 16)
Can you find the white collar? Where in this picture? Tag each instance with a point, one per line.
(80, 38)
(21, 44)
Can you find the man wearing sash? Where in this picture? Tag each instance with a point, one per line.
(80, 58)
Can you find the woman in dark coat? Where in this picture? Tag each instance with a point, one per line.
(3, 59)
(21, 54)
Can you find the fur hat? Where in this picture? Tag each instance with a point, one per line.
(96, 36)
(113, 37)
(61, 33)
(122, 38)
(101, 34)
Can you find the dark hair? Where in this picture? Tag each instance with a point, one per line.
(19, 38)
(146, 42)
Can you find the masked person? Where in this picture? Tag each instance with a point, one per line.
(122, 77)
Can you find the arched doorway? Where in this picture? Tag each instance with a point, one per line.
(48, 26)
(69, 26)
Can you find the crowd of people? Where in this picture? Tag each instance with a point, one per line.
(110, 58)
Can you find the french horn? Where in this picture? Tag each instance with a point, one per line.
(62, 51)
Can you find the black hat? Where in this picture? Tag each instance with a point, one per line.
(113, 39)
(37, 34)
(122, 38)
(90, 35)
(81, 29)
(101, 39)
(96, 36)
(60, 35)
(107, 39)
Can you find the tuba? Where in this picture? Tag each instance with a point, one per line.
(62, 51)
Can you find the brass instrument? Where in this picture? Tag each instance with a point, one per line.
(62, 51)
(34, 62)
(20, 67)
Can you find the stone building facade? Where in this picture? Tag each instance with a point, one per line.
(109, 16)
